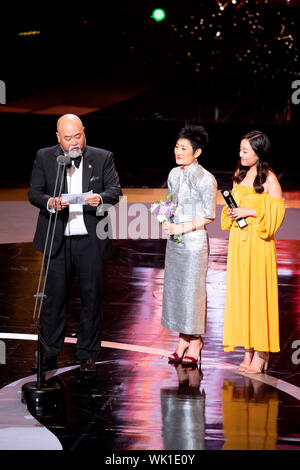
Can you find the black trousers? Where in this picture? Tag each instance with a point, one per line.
(77, 256)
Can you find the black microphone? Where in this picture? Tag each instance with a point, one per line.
(63, 159)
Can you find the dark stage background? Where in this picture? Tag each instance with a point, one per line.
(227, 65)
(144, 148)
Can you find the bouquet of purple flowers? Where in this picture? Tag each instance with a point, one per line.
(164, 211)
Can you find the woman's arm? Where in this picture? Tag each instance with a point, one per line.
(179, 229)
(239, 212)
(209, 209)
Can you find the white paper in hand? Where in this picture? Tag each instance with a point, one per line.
(76, 198)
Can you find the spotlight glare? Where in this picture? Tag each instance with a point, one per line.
(158, 14)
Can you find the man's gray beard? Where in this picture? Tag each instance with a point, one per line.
(74, 152)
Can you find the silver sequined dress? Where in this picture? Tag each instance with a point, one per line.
(194, 192)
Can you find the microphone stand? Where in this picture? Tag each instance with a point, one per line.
(35, 393)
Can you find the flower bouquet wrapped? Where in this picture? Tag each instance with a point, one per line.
(164, 211)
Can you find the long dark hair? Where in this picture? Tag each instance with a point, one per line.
(261, 145)
(197, 135)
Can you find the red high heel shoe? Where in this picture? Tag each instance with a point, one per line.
(190, 360)
(176, 359)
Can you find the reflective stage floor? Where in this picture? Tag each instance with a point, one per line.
(136, 400)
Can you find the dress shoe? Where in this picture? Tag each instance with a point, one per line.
(248, 356)
(174, 358)
(190, 360)
(87, 365)
(49, 363)
(263, 365)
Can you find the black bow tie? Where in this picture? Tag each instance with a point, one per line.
(76, 161)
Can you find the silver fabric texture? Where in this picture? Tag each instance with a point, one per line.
(194, 192)
(183, 420)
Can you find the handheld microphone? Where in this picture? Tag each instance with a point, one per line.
(229, 199)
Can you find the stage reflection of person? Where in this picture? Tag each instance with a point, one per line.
(251, 303)
(193, 190)
(76, 247)
(183, 411)
(250, 415)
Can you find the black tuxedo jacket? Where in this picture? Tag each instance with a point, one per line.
(98, 174)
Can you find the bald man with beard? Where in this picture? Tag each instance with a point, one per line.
(76, 248)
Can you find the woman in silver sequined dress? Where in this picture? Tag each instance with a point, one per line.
(193, 191)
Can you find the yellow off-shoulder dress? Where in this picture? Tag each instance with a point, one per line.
(251, 303)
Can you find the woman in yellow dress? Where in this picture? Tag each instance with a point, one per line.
(251, 302)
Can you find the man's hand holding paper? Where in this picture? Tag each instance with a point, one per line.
(93, 200)
(82, 198)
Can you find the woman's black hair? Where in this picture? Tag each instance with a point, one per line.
(261, 145)
(197, 135)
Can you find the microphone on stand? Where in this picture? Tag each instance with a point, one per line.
(43, 391)
(63, 159)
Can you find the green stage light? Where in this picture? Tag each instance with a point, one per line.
(158, 14)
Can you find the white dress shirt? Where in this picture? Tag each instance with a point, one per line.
(75, 224)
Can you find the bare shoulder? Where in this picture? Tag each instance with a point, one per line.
(272, 186)
(271, 178)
